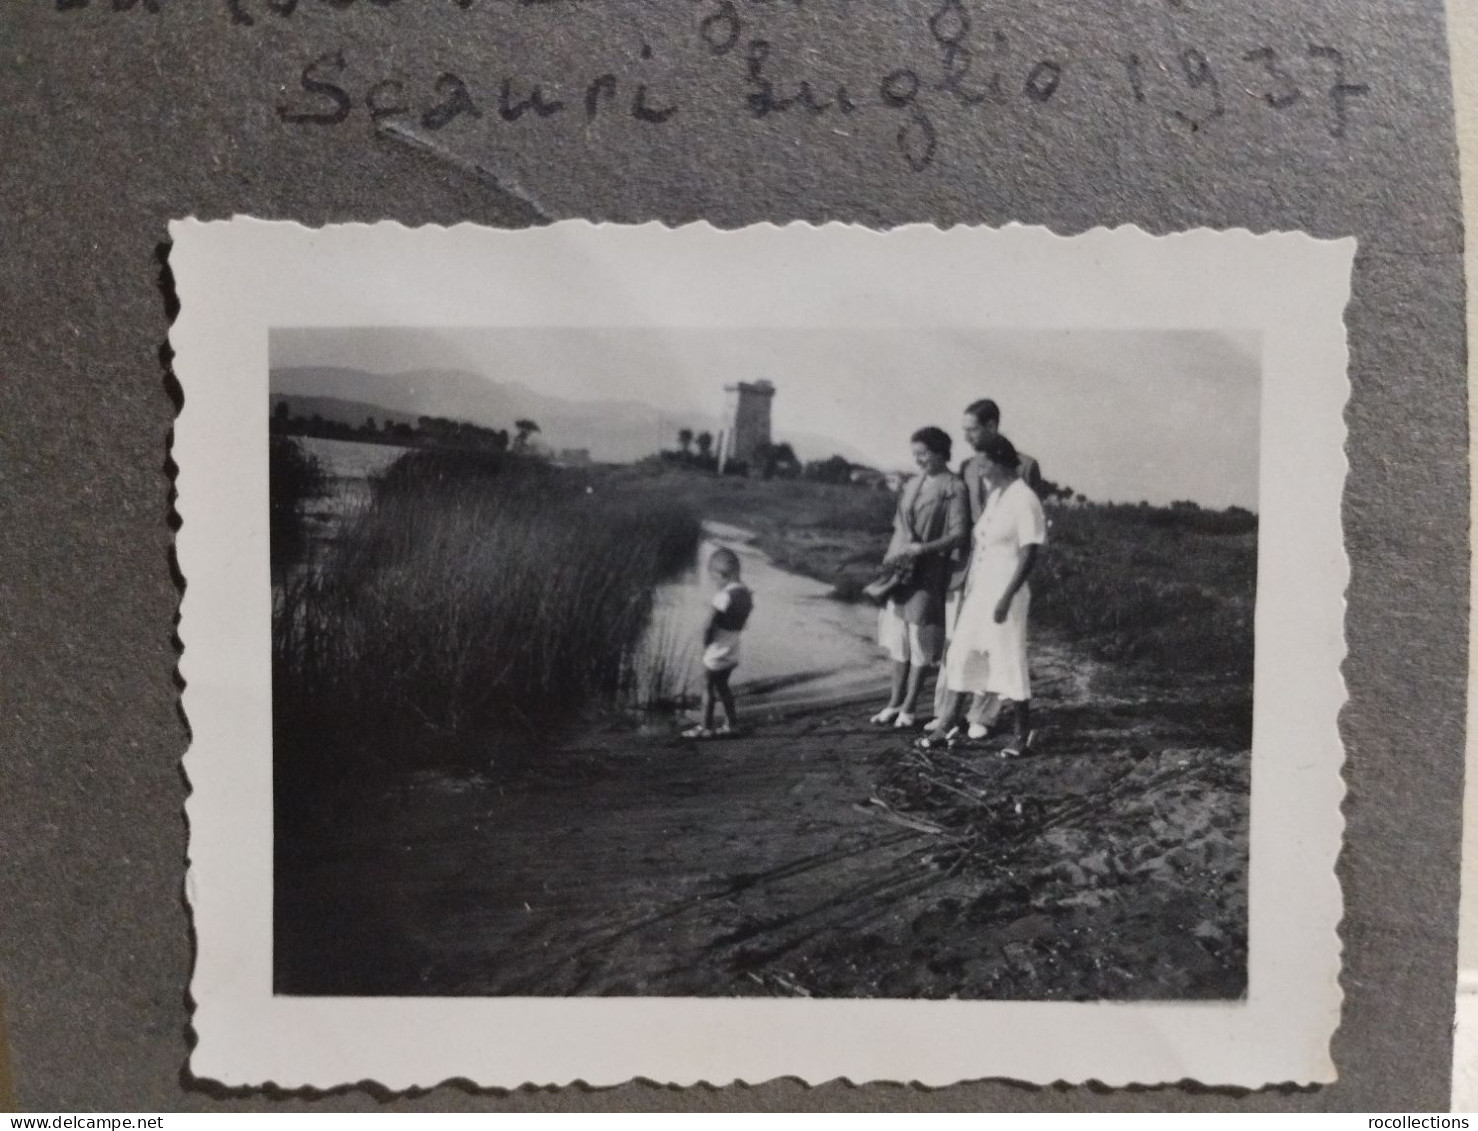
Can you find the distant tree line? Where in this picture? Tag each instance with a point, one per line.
(427, 432)
(769, 461)
(1050, 492)
(833, 469)
(693, 450)
(1189, 515)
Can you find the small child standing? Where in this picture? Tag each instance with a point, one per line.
(730, 611)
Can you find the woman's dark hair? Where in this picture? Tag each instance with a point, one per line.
(1000, 450)
(935, 439)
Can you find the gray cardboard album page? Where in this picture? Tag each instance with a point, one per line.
(1003, 648)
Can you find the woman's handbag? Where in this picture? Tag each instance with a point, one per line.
(899, 574)
(880, 588)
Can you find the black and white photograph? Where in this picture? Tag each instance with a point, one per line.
(607, 661)
(763, 662)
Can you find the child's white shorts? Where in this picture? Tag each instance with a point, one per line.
(723, 654)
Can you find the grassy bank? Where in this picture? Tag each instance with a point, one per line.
(832, 533)
(1153, 586)
(472, 599)
(1168, 587)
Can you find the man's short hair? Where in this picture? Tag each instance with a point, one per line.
(985, 411)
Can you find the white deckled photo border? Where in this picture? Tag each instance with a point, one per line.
(238, 279)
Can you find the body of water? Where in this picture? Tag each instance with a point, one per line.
(349, 466)
(348, 459)
(801, 649)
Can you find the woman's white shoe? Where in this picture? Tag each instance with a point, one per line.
(885, 716)
(904, 721)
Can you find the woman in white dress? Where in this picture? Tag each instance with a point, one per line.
(987, 653)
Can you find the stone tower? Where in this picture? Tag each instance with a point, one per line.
(746, 421)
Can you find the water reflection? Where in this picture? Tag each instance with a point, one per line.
(801, 648)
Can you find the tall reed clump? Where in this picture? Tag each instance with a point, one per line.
(295, 479)
(473, 598)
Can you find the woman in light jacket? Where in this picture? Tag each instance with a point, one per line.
(931, 521)
(987, 651)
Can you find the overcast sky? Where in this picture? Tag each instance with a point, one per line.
(1117, 415)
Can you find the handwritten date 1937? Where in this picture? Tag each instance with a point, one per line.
(973, 66)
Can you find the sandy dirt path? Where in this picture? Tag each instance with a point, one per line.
(815, 856)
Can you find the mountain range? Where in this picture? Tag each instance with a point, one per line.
(614, 431)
